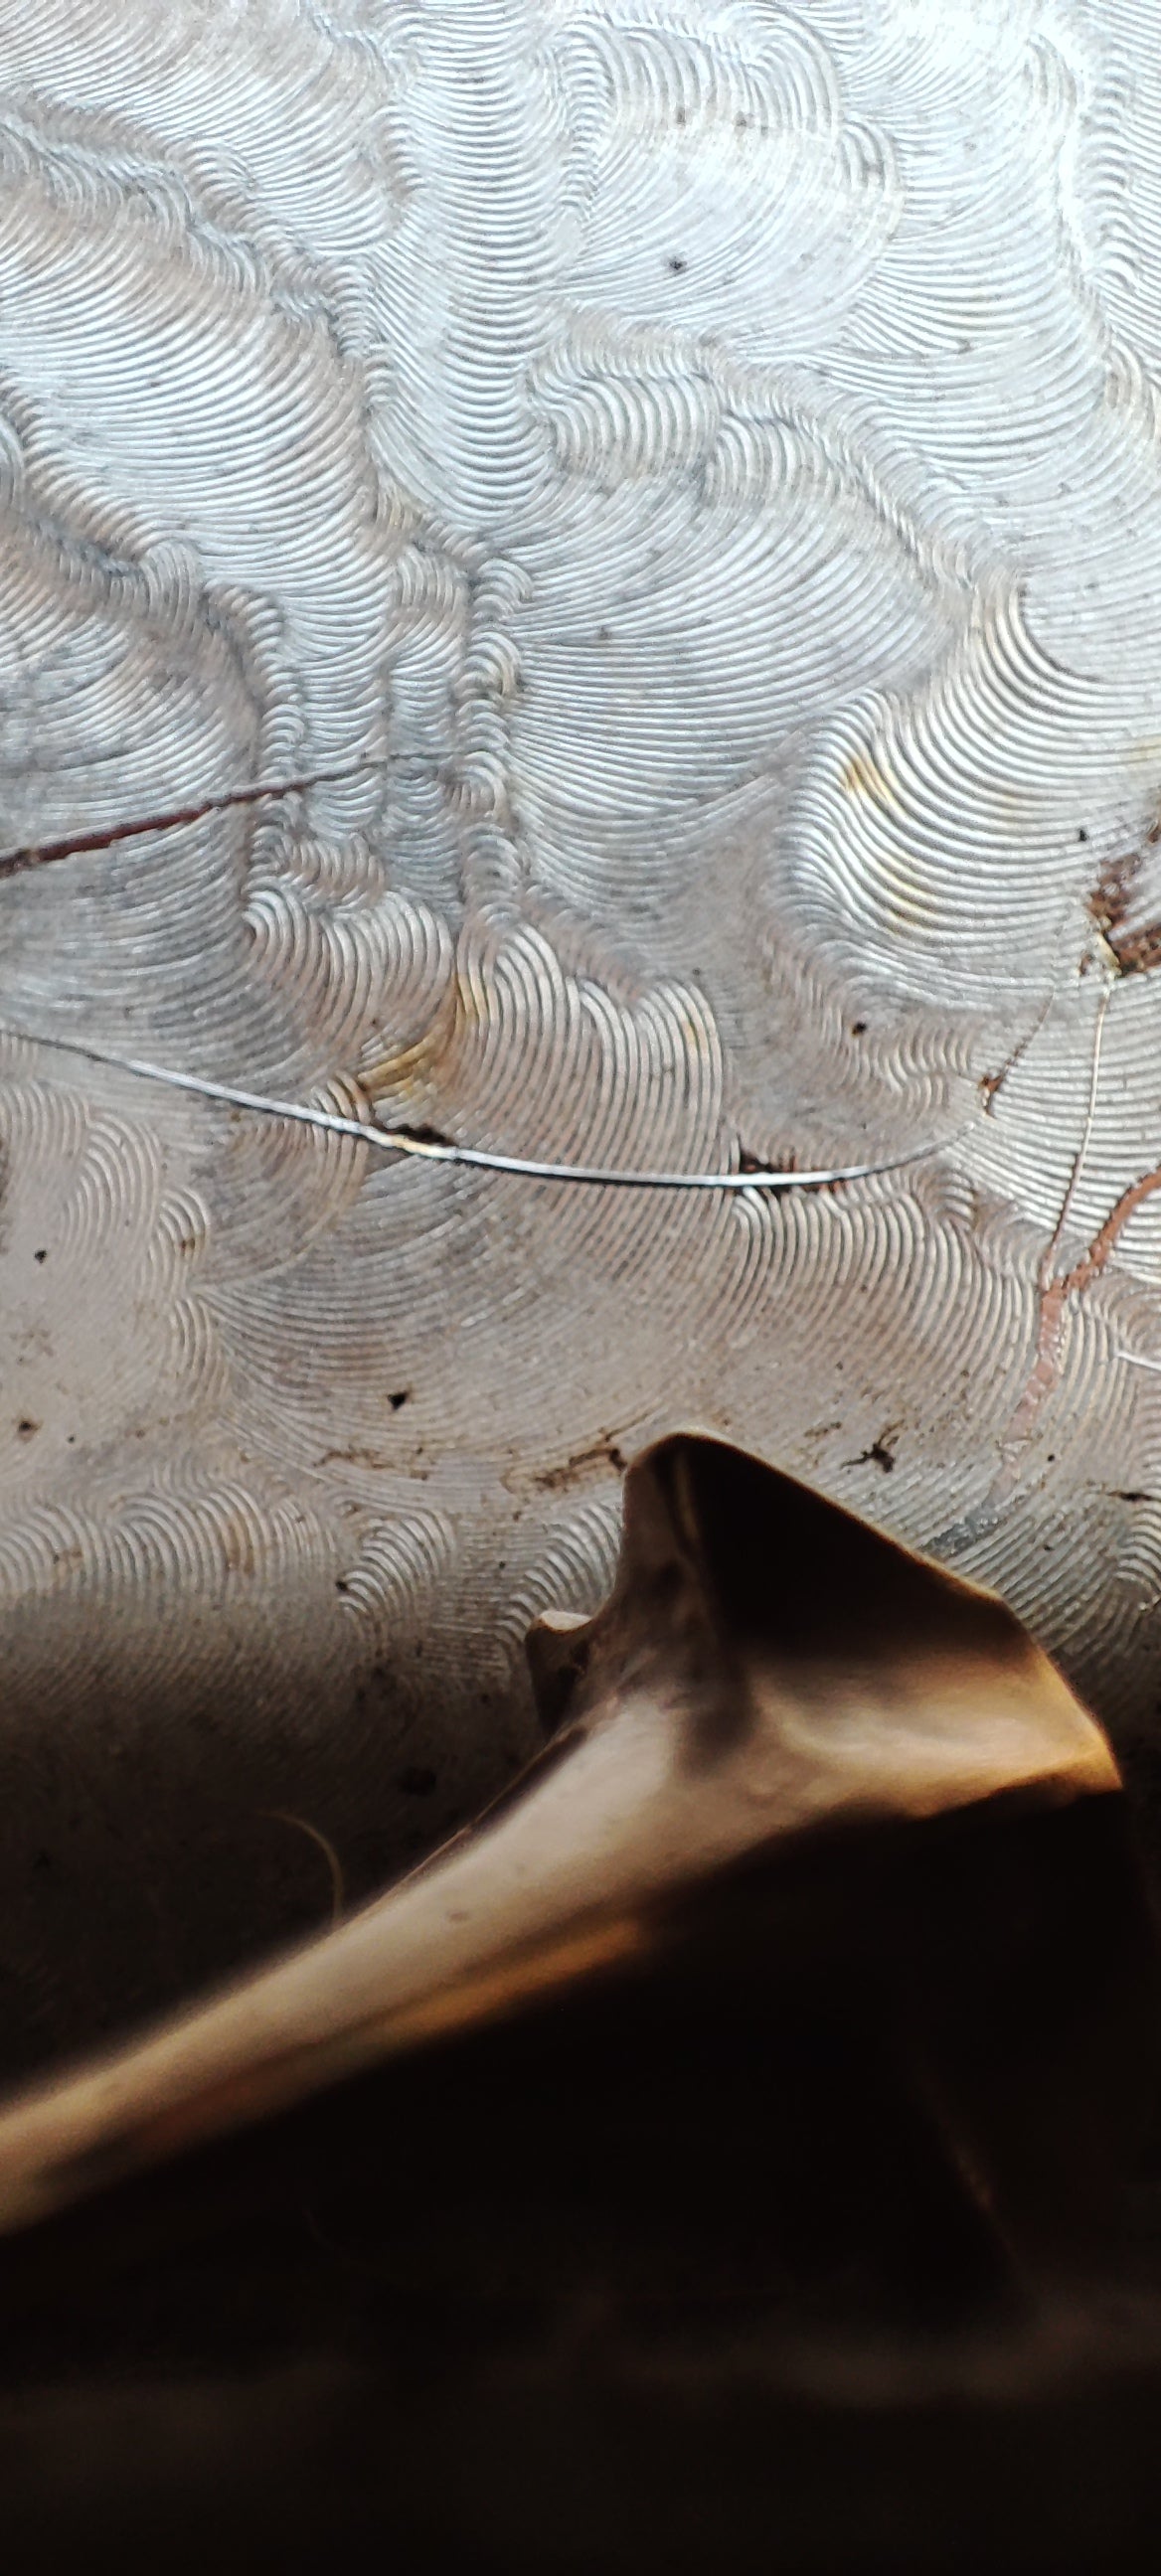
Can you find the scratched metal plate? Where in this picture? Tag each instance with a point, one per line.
(696, 466)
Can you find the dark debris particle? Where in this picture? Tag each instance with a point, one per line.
(748, 1162)
(677, 265)
(878, 1455)
(397, 1401)
(424, 1135)
(26, 1428)
(42, 1255)
(602, 1452)
(416, 1780)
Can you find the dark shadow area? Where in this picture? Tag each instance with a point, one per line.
(824, 2240)
(157, 1839)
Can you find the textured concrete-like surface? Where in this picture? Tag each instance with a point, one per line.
(697, 470)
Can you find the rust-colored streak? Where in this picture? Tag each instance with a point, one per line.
(1109, 901)
(1093, 1261)
(1135, 952)
(74, 845)
(1054, 1295)
(1138, 951)
(1044, 1366)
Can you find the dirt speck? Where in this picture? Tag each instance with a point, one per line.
(415, 1780)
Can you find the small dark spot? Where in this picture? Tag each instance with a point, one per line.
(878, 1455)
(416, 1781)
(603, 634)
(26, 1428)
(1082, 835)
(676, 264)
(742, 123)
(396, 1402)
(748, 1162)
(679, 115)
(603, 1453)
(419, 1135)
(40, 1256)
(342, 1585)
(858, 1028)
(1131, 1494)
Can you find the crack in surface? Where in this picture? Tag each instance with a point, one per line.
(1054, 1291)
(39, 854)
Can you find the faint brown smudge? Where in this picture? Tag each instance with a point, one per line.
(582, 1466)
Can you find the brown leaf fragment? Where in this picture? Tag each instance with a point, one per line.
(767, 1668)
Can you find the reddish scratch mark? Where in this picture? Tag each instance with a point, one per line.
(1093, 1261)
(39, 854)
(1055, 1291)
(1045, 1364)
(1054, 1294)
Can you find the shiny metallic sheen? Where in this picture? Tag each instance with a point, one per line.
(685, 483)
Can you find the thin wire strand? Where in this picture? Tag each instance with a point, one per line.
(302, 1825)
(394, 1140)
(1047, 1265)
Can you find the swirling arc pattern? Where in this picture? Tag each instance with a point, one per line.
(679, 488)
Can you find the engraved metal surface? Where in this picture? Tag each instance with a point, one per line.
(694, 473)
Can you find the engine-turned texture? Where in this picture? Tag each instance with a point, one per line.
(678, 484)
